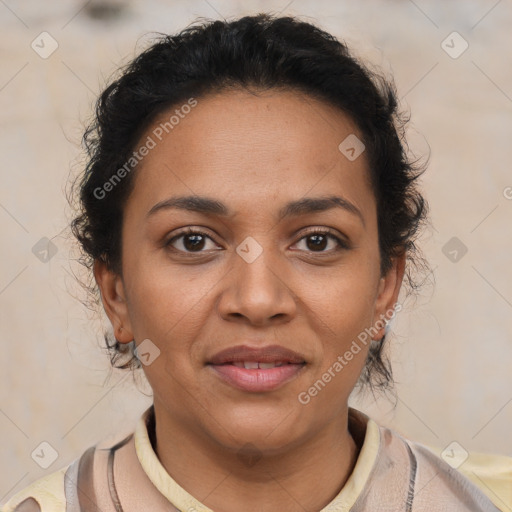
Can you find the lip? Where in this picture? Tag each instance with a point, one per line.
(257, 380)
(268, 354)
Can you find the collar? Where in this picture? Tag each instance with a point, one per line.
(359, 425)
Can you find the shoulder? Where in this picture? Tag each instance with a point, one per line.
(489, 472)
(406, 475)
(481, 481)
(70, 486)
(45, 494)
(63, 490)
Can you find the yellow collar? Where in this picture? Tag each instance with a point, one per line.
(181, 499)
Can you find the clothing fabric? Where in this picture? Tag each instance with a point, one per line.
(392, 474)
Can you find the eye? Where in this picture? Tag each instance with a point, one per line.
(322, 240)
(191, 240)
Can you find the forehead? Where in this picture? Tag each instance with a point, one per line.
(255, 149)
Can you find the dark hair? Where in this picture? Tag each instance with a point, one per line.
(260, 52)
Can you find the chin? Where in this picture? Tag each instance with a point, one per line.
(268, 429)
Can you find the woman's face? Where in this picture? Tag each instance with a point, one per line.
(268, 261)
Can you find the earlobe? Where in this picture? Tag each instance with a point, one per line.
(113, 297)
(389, 289)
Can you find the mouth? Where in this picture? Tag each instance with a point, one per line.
(254, 365)
(250, 376)
(257, 370)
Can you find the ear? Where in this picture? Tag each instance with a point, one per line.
(114, 301)
(389, 288)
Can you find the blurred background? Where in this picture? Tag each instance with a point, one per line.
(451, 347)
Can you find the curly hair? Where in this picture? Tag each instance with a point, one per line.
(262, 52)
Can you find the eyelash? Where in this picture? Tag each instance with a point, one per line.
(342, 244)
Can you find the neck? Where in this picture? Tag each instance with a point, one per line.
(307, 476)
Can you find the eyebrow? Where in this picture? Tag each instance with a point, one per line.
(208, 206)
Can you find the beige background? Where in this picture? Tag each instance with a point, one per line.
(452, 349)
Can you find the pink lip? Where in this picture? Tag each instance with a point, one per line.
(257, 380)
(268, 354)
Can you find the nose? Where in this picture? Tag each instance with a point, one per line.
(257, 292)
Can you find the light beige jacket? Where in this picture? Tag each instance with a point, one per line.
(391, 474)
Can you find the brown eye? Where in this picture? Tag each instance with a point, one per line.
(191, 241)
(316, 242)
(322, 241)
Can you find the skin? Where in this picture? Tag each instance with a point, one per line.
(254, 153)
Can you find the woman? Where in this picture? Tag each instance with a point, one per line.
(248, 211)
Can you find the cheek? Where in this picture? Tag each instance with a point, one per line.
(344, 339)
(169, 308)
(167, 305)
(342, 298)
(340, 324)
(340, 307)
